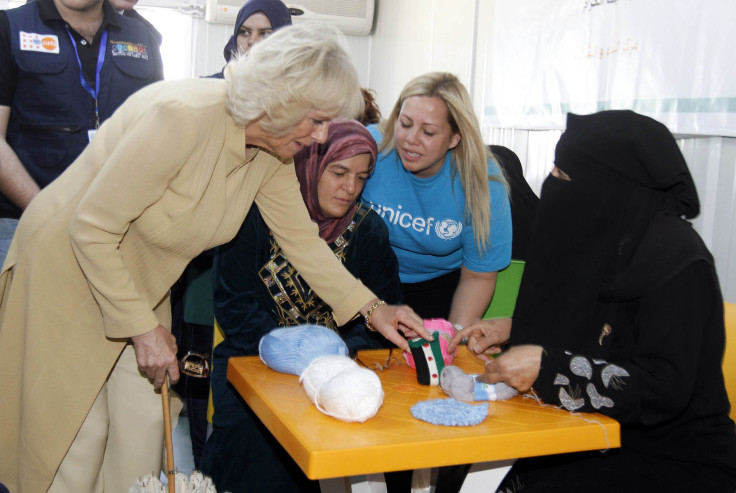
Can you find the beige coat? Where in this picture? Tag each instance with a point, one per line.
(96, 252)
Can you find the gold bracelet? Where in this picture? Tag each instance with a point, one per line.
(370, 312)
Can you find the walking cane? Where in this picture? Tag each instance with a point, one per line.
(167, 435)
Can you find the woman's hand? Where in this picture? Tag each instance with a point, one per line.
(518, 367)
(485, 337)
(397, 323)
(155, 352)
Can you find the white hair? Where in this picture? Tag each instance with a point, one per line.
(292, 72)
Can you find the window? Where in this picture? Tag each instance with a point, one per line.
(176, 47)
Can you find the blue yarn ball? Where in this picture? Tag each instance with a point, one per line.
(292, 349)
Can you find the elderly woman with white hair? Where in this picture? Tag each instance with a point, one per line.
(84, 303)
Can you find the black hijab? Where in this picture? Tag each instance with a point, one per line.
(612, 233)
(521, 196)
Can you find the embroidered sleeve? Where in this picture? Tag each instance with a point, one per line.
(581, 383)
(656, 359)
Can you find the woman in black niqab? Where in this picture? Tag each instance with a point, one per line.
(614, 231)
(620, 312)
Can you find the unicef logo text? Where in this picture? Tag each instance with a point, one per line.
(448, 229)
(445, 229)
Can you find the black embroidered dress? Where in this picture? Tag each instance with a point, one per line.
(623, 296)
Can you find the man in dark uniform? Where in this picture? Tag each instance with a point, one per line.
(65, 66)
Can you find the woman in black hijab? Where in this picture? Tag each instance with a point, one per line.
(620, 312)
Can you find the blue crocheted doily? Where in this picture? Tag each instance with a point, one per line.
(449, 412)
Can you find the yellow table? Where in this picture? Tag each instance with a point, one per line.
(394, 440)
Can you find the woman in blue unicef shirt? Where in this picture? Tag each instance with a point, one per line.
(444, 199)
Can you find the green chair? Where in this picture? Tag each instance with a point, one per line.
(507, 289)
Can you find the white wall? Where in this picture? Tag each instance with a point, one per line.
(409, 38)
(412, 37)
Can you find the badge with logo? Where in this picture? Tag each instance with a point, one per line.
(130, 50)
(45, 43)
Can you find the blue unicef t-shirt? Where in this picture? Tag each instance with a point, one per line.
(426, 219)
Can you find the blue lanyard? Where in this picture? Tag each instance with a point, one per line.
(100, 61)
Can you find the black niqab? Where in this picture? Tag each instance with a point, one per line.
(612, 233)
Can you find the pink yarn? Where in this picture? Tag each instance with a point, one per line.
(446, 331)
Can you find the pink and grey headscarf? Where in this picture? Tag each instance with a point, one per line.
(345, 139)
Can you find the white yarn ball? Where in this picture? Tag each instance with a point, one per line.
(323, 369)
(351, 395)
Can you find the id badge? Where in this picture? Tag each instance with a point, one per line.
(91, 133)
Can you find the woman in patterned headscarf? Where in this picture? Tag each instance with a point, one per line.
(620, 312)
(251, 276)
